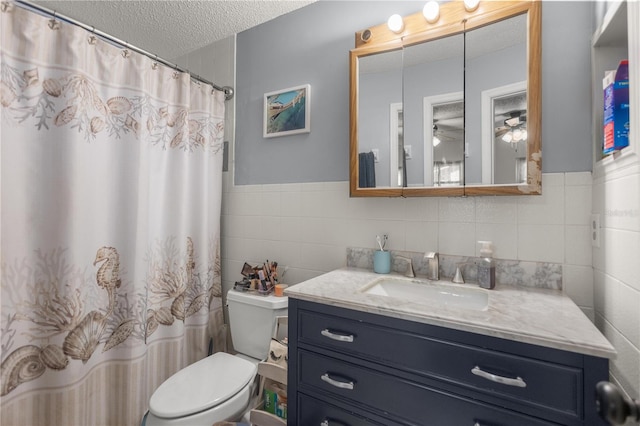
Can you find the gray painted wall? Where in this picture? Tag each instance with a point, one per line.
(381, 90)
(311, 45)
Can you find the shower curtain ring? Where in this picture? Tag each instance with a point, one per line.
(154, 65)
(7, 6)
(92, 39)
(53, 24)
(126, 52)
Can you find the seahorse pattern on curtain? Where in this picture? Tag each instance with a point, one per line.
(111, 169)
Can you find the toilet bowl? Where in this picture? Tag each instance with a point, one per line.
(215, 388)
(220, 386)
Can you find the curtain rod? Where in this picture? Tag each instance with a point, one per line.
(228, 90)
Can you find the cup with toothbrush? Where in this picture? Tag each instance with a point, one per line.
(382, 257)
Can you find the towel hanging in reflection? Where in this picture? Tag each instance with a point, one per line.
(367, 170)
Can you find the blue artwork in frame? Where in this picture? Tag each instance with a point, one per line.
(286, 112)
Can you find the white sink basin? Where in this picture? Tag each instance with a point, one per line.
(428, 292)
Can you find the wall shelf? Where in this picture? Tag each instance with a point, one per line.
(613, 30)
(609, 46)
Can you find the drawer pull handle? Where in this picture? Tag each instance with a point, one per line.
(517, 382)
(338, 337)
(342, 385)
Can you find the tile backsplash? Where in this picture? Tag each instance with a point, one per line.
(309, 226)
(508, 272)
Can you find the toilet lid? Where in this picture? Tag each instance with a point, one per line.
(202, 385)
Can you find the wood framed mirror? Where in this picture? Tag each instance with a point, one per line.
(450, 108)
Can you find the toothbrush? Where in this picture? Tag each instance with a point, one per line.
(379, 241)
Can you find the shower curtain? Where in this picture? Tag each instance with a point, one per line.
(111, 169)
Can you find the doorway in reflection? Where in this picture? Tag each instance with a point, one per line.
(505, 141)
(444, 139)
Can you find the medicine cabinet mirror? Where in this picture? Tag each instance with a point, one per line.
(450, 108)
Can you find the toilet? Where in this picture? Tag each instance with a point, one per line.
(219, 387)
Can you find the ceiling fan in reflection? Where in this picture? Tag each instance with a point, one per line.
(444, 133)
(514, 129)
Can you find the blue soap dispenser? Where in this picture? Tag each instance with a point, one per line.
(486, 266)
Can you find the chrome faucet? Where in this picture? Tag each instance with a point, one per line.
(458, 278)
(409, 270)
(433, 267)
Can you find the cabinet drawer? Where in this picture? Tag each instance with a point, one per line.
(527, 381)
(314, 412)
(400, 400)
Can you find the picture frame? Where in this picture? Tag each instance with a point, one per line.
(287, 111)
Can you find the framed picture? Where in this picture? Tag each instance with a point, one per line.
(286, 112)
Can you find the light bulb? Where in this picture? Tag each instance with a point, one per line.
(517, 135)
(395, 23)
(507, 137)
(436, 141)
(431, 11)
(524, 135)
(471, 5)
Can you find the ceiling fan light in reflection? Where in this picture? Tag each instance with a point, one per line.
(515, 135)
(436, 140)
(431, 11)
(395, 23)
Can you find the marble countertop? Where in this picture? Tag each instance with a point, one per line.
(538, 316)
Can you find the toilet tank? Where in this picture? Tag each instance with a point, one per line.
(252, 319)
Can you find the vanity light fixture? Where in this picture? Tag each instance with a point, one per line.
(366, 36)
(471, 5)
(431, 11)
(395, 23)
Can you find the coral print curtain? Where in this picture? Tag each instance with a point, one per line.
(111, 169)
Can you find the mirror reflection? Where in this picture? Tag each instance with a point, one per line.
(510, 138)
(495, 87)
(433, 81)
(448, 108)
(380, 118)
(448, 142)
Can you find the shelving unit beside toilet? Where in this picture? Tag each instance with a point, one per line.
(258, 416)
(278, 373)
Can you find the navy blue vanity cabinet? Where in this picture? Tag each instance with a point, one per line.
(348, 367)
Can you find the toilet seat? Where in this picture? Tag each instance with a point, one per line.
(202, 386)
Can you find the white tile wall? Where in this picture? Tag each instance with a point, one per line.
(541, 242)
(578, 284)
(616, 198)
(577, 245)
(625, 367)
(308, 227)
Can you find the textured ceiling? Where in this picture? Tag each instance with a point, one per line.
(173, 28)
